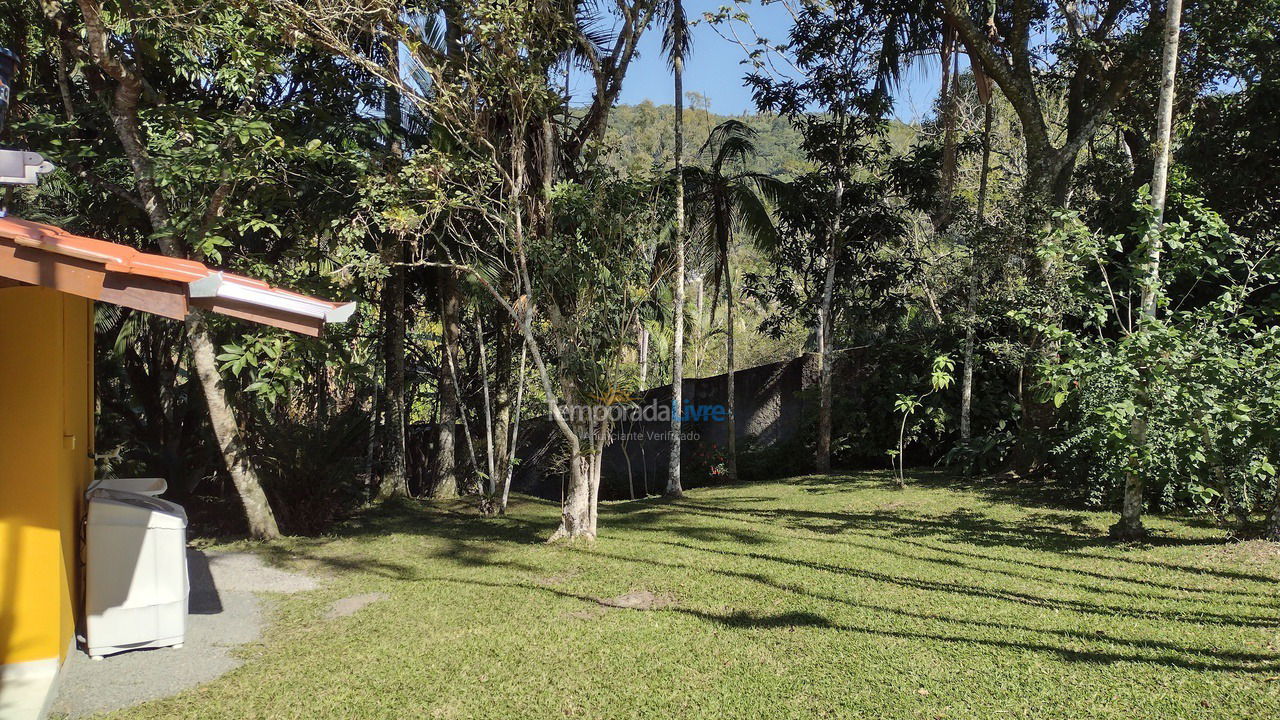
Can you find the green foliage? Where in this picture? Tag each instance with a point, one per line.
(940, 378)
(593, 282)
(269, 140)
(1208, 367)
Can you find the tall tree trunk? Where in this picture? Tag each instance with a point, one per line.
(445, 471)
(262, 521)
(488, 411)
(1130, 525)
(576, 517)
(674, 488)
(395, 473)
(514, 444)
(502, 446)
(950, 93)
(597, 457)
(371, 408)
(124, 119)
(395, 478)
(730, 397)
(822, 461)
(699, 329)
(578, 511)
(643, 343)
(971, 320)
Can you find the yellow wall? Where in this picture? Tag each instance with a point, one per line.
(46, 436)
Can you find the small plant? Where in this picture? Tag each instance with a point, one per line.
(982, 454)
(710, 462)
(940, 378)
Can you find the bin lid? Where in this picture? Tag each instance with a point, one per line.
(141, 486)
(111, 507)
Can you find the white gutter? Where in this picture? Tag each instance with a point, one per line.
(217, 285)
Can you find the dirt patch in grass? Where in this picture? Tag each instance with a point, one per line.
(352, 604)
(638, 600)
(635, 600)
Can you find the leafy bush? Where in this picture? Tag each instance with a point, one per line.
(981, 455)
(1201, 381)
(313, 470)
(758, 461)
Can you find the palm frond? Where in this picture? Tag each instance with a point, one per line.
(730, 143)
(676, 41)
(752, 217)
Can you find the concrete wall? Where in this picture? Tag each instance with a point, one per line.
(46, 436)
(770, 407)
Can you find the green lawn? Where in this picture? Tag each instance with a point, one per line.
(824, 597)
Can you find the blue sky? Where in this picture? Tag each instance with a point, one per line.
(715, 69)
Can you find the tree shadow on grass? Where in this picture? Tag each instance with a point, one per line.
(463, 540)
(1173, 657)
(461, 537)
(948, 557)
(1044, 493)
(1162, 653)
(1037, 532)
(1017, 597)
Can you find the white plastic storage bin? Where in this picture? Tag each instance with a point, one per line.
(135, 572)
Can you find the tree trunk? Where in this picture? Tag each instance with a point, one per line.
(576, 519)
(445, 471)
(731, 452)
(674, 488)
(257, 511)
(644, 358)
(966, 377)
(395, 479)
(502, 447)
(395, 474)
(822, 461)
(370, 406)
(699, 330)
(970, 331)
(950, 93)
(488, 411)
(1130, 525)
(514, 445)
(124, 119)
(597, 458)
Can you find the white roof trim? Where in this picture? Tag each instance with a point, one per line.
(340, 314)
(218, 285)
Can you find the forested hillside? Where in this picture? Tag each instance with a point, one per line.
(640, 137)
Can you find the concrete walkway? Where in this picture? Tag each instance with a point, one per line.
(223, 612)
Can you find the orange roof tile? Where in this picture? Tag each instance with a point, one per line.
(222, 292)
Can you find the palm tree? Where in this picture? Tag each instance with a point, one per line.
(675, 42)
(730, 200)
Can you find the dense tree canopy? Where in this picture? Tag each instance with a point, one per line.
(513, 243)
